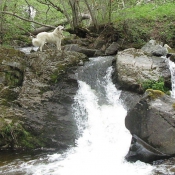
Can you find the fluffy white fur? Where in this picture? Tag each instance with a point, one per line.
(49, 37)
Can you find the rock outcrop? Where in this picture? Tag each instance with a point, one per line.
(135, 66)
(36, 94)
(150, 117)
(152, 121)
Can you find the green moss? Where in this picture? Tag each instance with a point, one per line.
(153, 94)
(13, 78)
(14, 136)
(55, 76)
(7, 52)
(4, 102)
(8, 94)
(12, 64)
(173, 105)
(62, 68)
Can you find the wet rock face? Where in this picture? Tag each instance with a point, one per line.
(152, 120)
(140, 150)
(41, 106)
(48, 92)
(51, 119)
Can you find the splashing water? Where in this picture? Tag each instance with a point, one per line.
(172, 70)
(103, 139)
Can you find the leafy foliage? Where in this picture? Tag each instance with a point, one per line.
(155, 85)
(139, 21)
(12, 28)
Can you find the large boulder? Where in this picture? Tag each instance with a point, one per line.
(152, 124)
(134, 67)
(37, 112)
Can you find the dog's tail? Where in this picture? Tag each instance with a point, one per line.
(35, 42)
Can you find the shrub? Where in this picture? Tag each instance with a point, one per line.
(155, 85)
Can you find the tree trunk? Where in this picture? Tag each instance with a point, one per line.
(94, 20)
(3, 7)
(67, 15)
(75, 13)
(110, 10)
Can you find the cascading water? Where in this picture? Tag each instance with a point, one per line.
(172, 70)
(103, 141)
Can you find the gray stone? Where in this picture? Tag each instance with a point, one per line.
(112, 49)
(140, 150)
(153, 120)
(41, 105)
(133, 67)
(154, 48)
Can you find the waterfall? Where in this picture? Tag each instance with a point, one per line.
(103, 141)
(172, 70)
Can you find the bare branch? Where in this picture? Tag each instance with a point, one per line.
(53, 5)
(28, 20)
(44, 27)
(56, 7)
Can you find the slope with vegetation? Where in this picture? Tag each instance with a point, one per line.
(136, 21)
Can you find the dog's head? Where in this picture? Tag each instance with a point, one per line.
(60, 27)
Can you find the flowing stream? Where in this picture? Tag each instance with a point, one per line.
(103, 141)
(172, 70)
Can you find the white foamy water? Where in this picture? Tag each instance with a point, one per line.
(172, 70)
(28, 50)
(102, 144)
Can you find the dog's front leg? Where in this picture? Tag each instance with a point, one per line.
(41, 47)
(59, 45)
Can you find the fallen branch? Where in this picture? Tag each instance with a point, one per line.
(63, 23)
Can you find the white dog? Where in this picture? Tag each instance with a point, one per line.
(49, 37)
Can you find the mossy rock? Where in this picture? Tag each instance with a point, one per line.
(4, 102)
(8, 94)
(11, 53)
(14, 136)
(154, 94)
(12, 66)
(173, 105)
(13, 78)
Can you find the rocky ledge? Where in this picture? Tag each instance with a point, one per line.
(36, 94)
